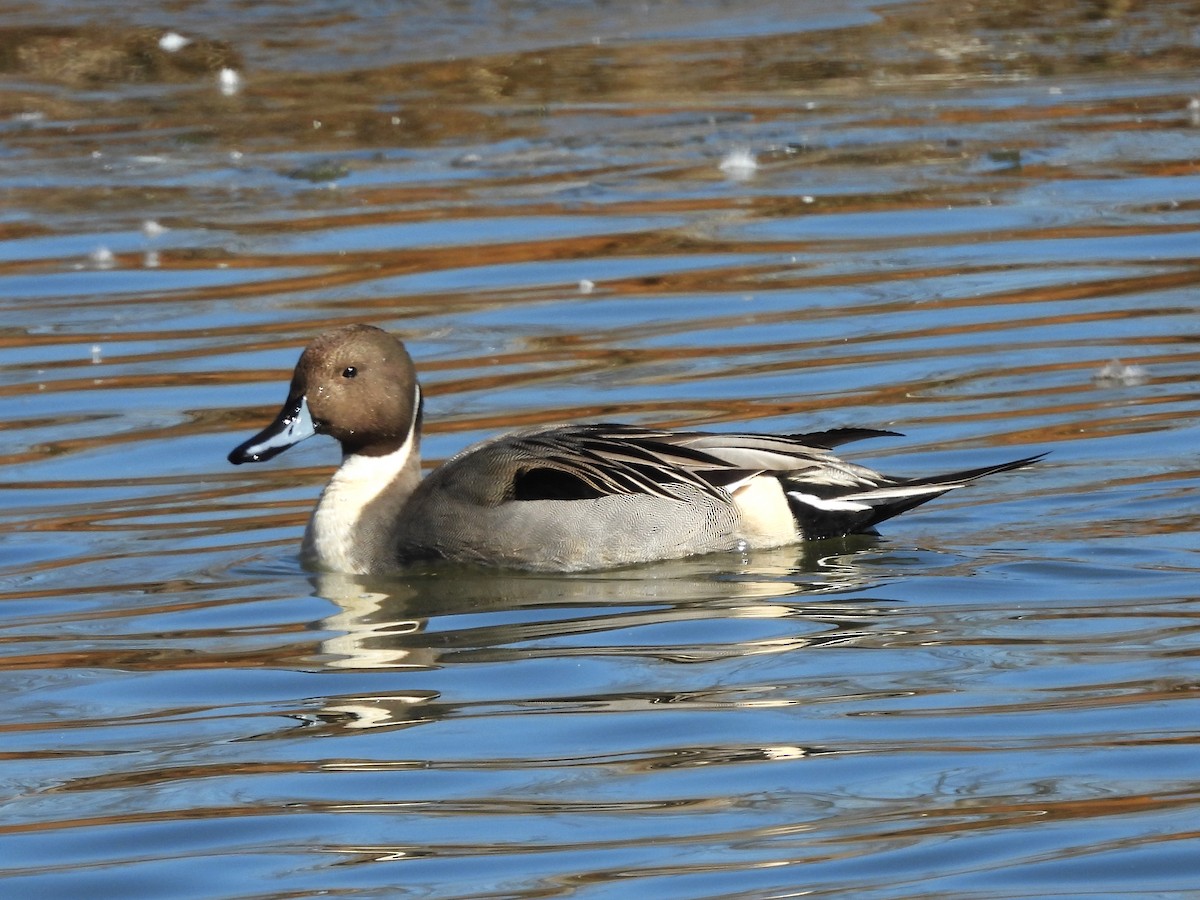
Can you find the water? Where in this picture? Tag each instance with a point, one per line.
(979, 228)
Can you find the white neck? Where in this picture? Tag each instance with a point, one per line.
(339, 538)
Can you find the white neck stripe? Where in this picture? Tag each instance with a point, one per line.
(334, 541)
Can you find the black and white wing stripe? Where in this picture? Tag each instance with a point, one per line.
(588, 461)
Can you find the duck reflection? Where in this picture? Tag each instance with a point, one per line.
(442, 615)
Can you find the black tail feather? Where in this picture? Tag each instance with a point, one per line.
(835, 437)
(856, 512)
(965, 476)
(815, 524)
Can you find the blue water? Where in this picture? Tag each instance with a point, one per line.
(958, 229)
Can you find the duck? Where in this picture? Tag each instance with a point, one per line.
(558, 498)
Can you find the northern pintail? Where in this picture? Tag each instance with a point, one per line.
(563, 497)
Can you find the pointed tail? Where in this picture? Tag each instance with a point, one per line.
(858, 512)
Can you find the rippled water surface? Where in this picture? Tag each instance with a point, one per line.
(978, 225)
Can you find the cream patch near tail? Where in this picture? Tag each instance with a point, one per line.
(763, 510)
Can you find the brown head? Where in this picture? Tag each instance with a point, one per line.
(356, 384)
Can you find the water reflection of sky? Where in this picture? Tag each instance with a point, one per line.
(958, 218)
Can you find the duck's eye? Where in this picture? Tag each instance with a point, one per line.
(349, 372)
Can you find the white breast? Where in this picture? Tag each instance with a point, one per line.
(334, 540)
